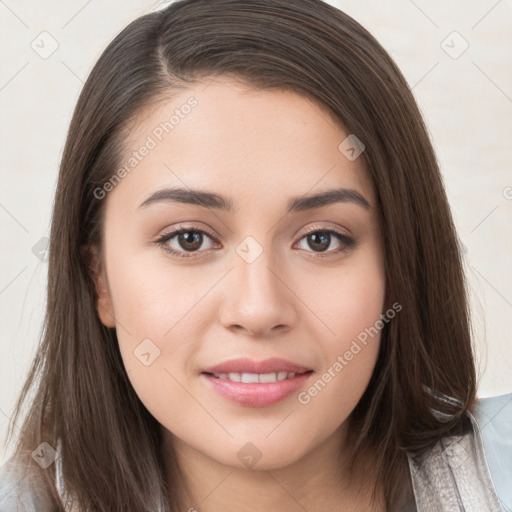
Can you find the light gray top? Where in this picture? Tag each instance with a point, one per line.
(465, 473)
(471, 472)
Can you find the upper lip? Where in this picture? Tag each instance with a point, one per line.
(244, 365)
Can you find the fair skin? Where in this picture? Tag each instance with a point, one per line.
(259, 148)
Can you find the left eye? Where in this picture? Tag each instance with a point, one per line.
(191, 240)
(321, 239)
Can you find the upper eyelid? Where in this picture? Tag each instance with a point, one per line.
(176, 230)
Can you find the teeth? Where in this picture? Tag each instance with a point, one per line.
(249, 377)
(268, 377)
(255, 377)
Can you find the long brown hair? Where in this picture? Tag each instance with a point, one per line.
(109, 443)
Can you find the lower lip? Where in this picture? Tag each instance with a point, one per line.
(256, 395)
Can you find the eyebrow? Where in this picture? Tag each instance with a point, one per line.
(295, 204)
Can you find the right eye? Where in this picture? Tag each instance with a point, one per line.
(188, 240)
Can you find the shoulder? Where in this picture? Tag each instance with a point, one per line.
(493, 417)
(471, 470)
(19, 488)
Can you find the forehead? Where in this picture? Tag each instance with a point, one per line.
(220, 134)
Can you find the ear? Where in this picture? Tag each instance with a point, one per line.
(104, 305)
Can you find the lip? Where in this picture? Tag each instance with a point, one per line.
(244, 365)
(256, 394)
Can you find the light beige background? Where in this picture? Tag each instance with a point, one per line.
(466, 100)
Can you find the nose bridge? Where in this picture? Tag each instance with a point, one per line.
(260, 299)
(265, 274)
(255, 270)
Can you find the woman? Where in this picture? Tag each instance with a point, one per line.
(256, 297)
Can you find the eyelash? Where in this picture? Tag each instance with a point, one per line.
(344, 239)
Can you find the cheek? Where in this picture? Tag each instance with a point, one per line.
(152, 300)
(349, 351)
(156, 313)
(350, 336)
(348, 300)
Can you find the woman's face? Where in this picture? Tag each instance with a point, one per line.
(258, 273)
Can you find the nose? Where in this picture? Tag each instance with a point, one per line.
(259, 301)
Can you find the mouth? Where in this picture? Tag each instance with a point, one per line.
(273, 368)
(256, 384)
(256, 378)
